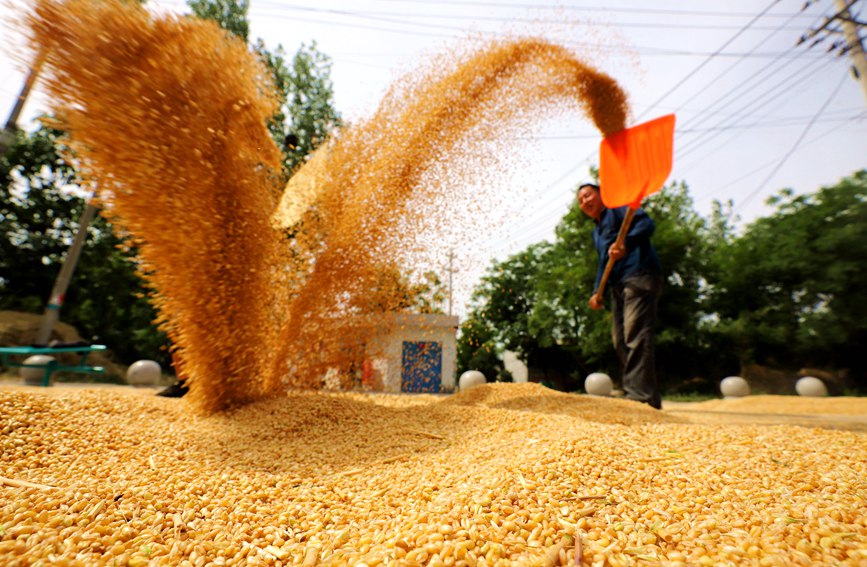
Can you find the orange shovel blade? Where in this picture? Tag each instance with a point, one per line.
(635, 162)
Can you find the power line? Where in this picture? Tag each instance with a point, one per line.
(794, 147)
(665, 24)
(560, 7)
(734, 92)
(782, 122)
(710, 58)
(733, 65)
(708, 194)
(743, 29)
(461, 32)
(751, 106)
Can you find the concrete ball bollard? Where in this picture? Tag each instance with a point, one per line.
(598, 384)
(34, 376)
(144, 373)
(811, 386)
(470, 379)
(734, 387)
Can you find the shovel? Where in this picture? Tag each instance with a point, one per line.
(633, 164)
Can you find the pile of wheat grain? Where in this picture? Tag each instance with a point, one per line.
(498, 475)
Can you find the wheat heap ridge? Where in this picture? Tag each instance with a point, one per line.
(503, 474)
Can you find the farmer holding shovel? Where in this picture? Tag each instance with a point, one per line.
(633, 164)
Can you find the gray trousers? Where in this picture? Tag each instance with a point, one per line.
(633, 319)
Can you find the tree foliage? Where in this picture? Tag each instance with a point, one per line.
(478, 350)
(786, 293)
(307, 115)
(37, 219)
(106, 298)
(231, 15)
(789, 291)
(390, 290)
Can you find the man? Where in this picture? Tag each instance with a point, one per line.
(635, 282)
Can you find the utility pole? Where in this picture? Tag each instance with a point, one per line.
(58, 293)
(7, 137)
(853, 43)
(849, 43)
(451, 272)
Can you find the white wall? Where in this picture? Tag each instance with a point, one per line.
(516, 366)
(386, 350)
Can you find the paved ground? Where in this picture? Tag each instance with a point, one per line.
(697, 412)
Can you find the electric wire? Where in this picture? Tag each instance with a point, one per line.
(750, 107)
(795, 146)
(770, 95)
(744, 28)
(461, 32)
(716, 102)
(782, 122)
(708, 59)
(666, 23)
(560, 7)
(705, 116)
(708, 194)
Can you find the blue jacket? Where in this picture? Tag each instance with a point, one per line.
(640, 256)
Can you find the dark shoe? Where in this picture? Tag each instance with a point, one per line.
(176, 390)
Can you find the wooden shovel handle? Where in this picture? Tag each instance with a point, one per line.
(621, 238)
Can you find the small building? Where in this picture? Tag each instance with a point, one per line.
(414, 353)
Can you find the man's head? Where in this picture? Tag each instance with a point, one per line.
(590, 200)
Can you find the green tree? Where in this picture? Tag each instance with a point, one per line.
(686, 346)
(499, 316)
(309, 104)
(390, 290)
(572, 338)
(231, 15)
(429, 293)
(790, 289)
(36, 221)
(39, 217)
(106, 297)
(477, 350)
(506, 296)
(306, 115)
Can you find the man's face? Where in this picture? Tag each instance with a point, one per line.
(590, 202)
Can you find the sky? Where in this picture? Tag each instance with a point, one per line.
(756, 113)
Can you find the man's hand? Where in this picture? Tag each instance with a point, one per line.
(616, 252)
(595, 302)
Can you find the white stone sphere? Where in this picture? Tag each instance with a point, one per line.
(471, 378)
(734, 387)
(598, 384)
(144, 373)
(811, 386)
(34, 376)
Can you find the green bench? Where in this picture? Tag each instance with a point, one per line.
(52, 366)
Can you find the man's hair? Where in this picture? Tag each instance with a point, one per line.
(591, 185)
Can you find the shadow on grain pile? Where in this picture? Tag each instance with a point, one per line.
(311, 427)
